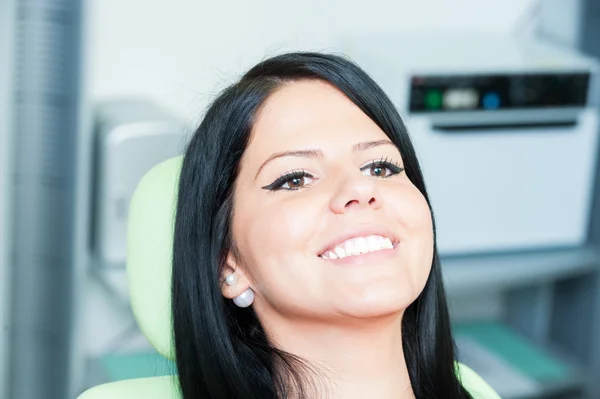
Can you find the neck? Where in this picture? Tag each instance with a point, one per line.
(361, 360)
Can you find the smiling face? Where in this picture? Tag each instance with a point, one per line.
(326, 222)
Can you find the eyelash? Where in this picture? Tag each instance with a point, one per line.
(277, 185)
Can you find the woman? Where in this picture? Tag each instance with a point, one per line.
(304, 251)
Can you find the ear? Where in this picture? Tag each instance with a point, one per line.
(233, 267)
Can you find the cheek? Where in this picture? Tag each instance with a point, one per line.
(416, 241)
(419, 220)
(274, 239)
(280, 227)
(420, 239)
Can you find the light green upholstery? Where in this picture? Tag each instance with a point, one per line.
(149, 243)
(150, 239)
(166, 388)
(142, 388)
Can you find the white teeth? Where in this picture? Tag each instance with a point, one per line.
(374, 243)
(387, 243)
(349, 247)
(329, 255)
(361, 245)
(358, 246)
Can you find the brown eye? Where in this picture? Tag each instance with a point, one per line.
(291, 181)
(296, 182)
(382, 168)
(377, 171)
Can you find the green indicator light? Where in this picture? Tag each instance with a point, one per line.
(433, 99)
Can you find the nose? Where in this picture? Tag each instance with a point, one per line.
(356, 192)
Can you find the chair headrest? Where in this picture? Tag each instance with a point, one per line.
(149, 252)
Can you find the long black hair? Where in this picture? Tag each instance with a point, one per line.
(221, 350)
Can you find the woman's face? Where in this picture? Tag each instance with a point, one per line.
(326, 221)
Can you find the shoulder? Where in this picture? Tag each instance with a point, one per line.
(474, 384)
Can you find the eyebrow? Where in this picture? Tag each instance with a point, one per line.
(314, 153)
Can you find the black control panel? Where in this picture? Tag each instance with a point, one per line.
(451, 93)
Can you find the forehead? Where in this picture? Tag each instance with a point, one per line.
(310, 114)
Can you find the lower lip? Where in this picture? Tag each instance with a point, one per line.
(367, 258)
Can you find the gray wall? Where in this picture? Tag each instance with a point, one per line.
(576, 314)
(589, 42)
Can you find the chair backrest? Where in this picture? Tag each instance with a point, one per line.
(166, 388)
(149, 246)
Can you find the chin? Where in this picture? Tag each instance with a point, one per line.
(379, 303)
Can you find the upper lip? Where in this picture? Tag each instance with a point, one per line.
(360, 232)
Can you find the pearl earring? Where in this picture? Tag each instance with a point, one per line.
(231, 279)
(245, 299)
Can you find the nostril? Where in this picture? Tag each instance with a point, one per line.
(351, 202)
(372, 201)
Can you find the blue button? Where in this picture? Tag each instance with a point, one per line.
(491, 101)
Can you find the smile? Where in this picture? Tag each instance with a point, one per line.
(358, 246)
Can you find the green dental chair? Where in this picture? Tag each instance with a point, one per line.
(151, 218)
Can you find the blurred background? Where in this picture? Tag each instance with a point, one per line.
(499, 96)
